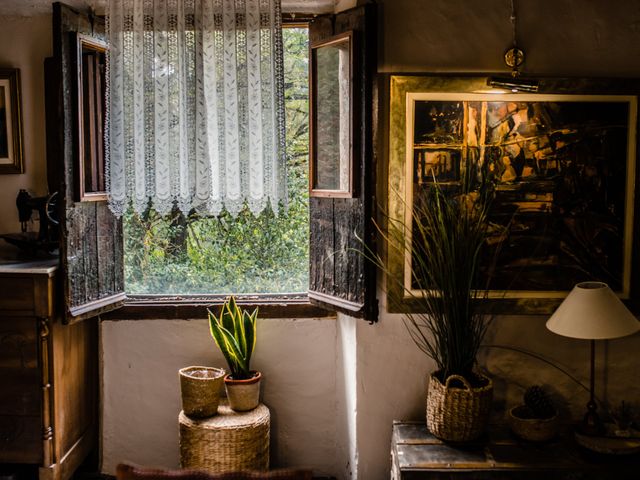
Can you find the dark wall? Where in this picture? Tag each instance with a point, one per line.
(560, 37)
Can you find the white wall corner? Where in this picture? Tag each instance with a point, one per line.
(346, 396)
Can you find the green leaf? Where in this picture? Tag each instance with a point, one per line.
(231, 345)
(250, 326)
(228, 310)
(215, 327)
(239, 331)
(234, 332)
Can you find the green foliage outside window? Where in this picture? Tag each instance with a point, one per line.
(246, 254)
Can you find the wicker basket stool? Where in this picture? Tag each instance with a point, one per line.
(228, 441)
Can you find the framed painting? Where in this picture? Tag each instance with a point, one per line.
(10, 122)
(562, 163)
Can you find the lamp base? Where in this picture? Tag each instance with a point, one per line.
(591, 423)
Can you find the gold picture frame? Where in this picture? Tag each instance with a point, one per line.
(430, 120)
(11, 153)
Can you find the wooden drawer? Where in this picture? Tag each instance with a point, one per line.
(20, 439)
(18, 342)
(20, 393)
(19, 370)
(17, 293)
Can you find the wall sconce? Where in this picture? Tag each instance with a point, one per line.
(515, 84)
(514, 58)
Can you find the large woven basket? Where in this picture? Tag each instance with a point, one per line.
(229, 441)
(456, 411)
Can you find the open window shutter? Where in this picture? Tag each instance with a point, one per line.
(90, 236)
(340, 278)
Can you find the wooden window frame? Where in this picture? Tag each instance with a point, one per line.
(188, 307)
(349, 191)
(96, 132)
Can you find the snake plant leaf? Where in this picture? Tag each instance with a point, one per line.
(215, 327)
(228, 345)
(239, 331)
(227, 314)
(250, 326)
(241, 370)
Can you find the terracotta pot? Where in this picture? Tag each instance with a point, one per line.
(458, 411)
(532, 429)
(243, 395)
(200, 389)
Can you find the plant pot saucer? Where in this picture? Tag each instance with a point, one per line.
(610, 444)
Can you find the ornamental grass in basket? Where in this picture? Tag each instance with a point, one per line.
(446, 238)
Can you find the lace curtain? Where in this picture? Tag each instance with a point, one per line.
(195, 105)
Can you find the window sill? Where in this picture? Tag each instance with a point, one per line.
(186, 307)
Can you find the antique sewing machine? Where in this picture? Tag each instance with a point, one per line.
(46, 238)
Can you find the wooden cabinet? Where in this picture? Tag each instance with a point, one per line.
(416, 454)
(48, 374)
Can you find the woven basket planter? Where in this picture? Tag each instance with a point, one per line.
(458, 413)
(200, 390)
(532, 429)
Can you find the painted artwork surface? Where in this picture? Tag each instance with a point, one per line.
(560, 169)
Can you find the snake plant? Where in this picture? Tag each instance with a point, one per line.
(234, 332)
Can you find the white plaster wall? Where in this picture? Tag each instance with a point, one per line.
(392, 379)
(141, 391)
(347, 381)
(24, 43)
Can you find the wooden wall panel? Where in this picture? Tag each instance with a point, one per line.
(340, 278)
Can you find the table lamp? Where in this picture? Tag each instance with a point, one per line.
(593, 312)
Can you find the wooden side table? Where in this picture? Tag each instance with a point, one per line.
(228, 441)
(416, 454)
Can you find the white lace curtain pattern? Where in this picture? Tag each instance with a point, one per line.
(195, 105)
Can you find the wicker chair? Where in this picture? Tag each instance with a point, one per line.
(130, 472)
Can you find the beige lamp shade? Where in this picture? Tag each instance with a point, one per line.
(592, 311)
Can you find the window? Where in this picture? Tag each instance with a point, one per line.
(329, 229)
(247, 254)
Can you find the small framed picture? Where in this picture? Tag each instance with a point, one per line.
(11, 160)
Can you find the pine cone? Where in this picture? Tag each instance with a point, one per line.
(539, 402)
